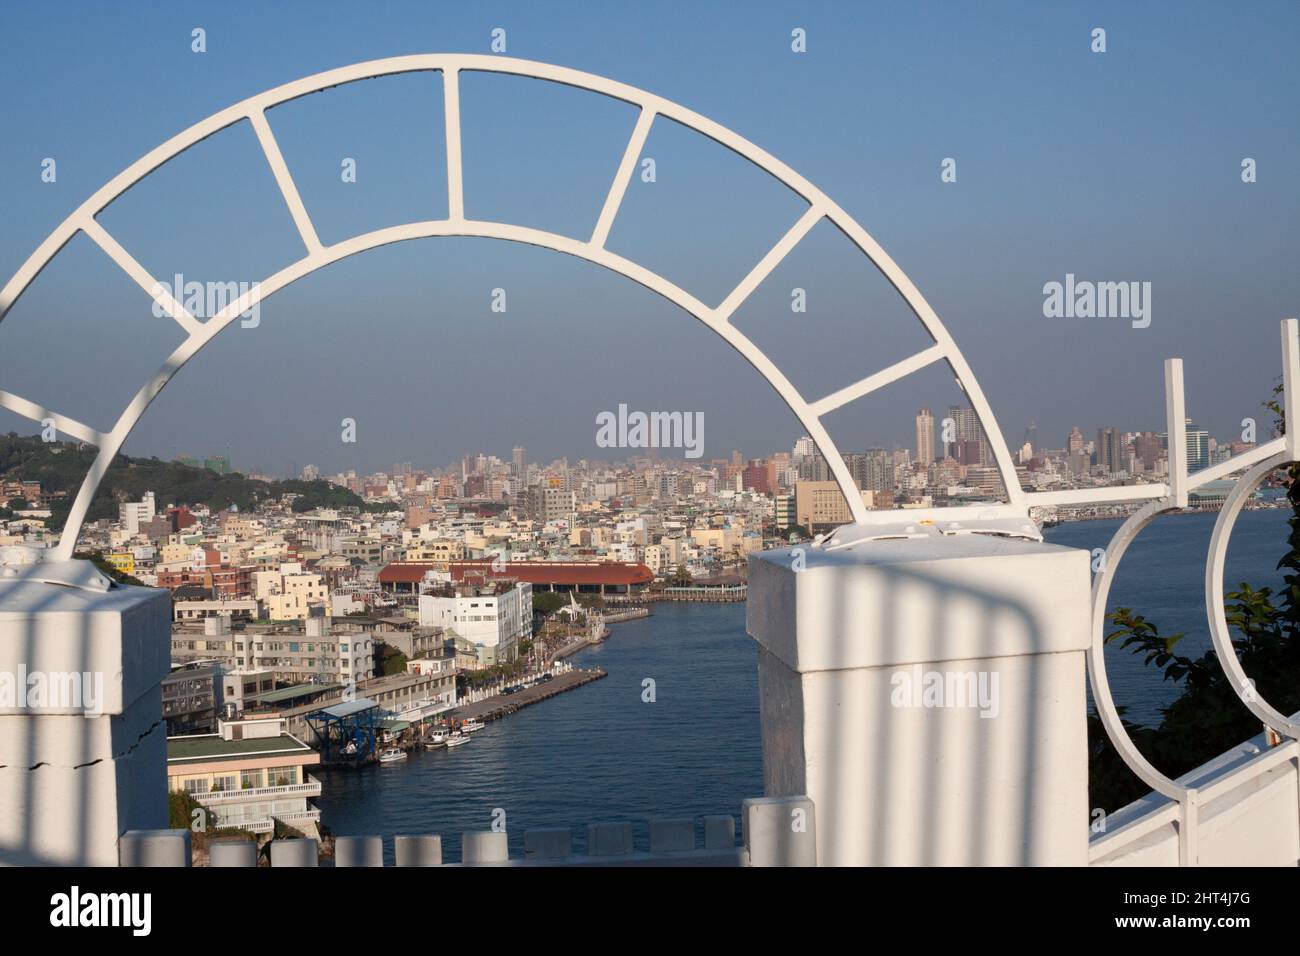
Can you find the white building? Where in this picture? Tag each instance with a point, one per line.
(495, 617)
(132, 514)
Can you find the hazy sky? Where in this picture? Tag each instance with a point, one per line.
(1119, 166)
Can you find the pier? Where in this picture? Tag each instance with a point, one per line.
(503, 704)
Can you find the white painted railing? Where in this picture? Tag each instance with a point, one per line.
(311, 788)
(1186, 792)
(1247, 814)
(776, 831)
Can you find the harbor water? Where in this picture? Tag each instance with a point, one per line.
(673, 730)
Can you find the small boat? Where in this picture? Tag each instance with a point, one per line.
(455, 740)
(435, 740)
(471, 725)
(391, 755)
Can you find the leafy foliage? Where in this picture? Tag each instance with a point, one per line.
(97, 559)
(547, 603)
(61, 466)
(390, 659)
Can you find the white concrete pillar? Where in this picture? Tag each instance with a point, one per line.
(720, 832)
(352, 851)
(548, 843)
(780, 831)
(484, 846)
(672, 836)
(928, 696)
(155, 848)
(232, 851)
(297, 851)
(609, 839)
(417, 850)
(83, 746)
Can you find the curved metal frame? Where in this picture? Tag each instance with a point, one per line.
(1214, 609)
(717, 317)
(1259, 461)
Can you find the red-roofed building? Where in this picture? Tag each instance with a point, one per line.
(585, 577)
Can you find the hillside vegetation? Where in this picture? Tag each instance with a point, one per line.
(61, 466)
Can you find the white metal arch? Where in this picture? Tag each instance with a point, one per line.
(717, 317)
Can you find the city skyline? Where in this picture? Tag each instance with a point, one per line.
(1197, 453)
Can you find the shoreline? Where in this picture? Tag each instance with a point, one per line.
(1178, 511)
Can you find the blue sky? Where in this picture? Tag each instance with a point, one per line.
(1116, 166)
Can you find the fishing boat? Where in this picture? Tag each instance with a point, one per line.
(471, 725)
(435, 740)
(456, 739)
(391, 755)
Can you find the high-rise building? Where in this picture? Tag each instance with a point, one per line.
(517, 461)
(924, 437)
(1110, 450)
(874, 471)
(967, 443)
(1147, 449)
(1075, 446)
(551, 502)
(1198, 447)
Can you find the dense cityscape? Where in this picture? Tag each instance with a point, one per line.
(352, 634)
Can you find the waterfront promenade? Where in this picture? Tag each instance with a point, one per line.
(503, 704)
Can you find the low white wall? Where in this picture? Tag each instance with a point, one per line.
(1251, 816)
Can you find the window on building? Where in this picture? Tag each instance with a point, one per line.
(281, 776)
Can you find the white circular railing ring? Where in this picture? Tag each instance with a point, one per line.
(1097, 679)
(1214, 608)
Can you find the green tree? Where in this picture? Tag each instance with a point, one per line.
(547, 603)
(391, 660)
(97, 559)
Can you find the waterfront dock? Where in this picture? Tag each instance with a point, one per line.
(496, 707)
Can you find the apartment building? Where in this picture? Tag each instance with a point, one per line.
(289, 593)
(248, 774)
(316, 652)
(495, 616)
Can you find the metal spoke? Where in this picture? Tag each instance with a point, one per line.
(284, 180)
(635, 144)
(879, 380)
(156, 290)
(451, 116)
(769, 262)
(38, 413)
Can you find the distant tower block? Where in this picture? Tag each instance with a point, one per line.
(924, 437)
